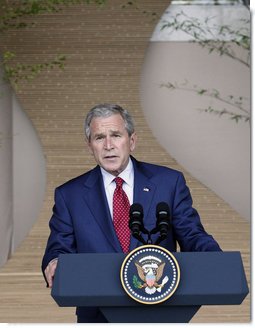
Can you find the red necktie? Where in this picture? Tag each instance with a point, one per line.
(121, 215)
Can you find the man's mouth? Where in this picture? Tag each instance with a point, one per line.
(110, 156)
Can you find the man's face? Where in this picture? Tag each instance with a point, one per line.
(110, 143)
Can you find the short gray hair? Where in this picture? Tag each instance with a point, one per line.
(106, 110)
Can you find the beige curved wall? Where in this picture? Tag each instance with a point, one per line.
(28, 173)
(22, 174)
(6, 217)
(214, 149)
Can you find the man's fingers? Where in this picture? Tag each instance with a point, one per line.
(50, 272)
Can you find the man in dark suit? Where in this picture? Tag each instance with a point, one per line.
(82, 220)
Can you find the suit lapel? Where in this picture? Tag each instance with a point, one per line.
(95, 198)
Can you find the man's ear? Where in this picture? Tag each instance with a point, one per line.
(133, 140)
(88, 146)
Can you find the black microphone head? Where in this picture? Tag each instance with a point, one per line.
(163, 217)
(136, 210)
(136, 218)
(162, 210)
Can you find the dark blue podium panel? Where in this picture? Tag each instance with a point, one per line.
(206, 278)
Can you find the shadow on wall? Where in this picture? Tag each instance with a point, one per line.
(196, 100)
(22, 174)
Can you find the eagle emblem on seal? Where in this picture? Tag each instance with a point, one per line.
(150, 274)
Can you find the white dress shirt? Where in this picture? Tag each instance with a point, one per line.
(128, 185)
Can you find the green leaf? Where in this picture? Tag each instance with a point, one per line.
(202, 91)
(137, 283)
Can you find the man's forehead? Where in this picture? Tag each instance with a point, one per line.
(103, 131)
(113, 123)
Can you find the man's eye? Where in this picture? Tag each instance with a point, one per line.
(99, 137)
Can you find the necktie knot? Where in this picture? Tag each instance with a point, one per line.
(119, 182)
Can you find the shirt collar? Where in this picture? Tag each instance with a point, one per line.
(127, 175)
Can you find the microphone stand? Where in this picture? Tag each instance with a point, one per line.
(137, 234)
(149, 240)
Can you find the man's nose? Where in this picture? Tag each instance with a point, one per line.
(108, 143)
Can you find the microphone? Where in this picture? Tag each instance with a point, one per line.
(136, 222)
(163, 220)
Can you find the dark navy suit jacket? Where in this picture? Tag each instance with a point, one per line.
(81, 220)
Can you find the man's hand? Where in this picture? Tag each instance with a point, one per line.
(50, 272)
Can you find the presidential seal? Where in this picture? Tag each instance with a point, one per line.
(150, 274)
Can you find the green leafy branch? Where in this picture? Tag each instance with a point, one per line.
(230, 100)
(232, 115)
(205, 33)
(134, 4)
(18, 72)
(136, 282)
(14, 14)
(215, 2)
(14, 11)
